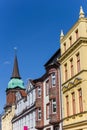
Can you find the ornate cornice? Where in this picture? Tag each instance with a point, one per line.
(72, 84)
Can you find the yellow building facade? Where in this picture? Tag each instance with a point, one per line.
(7, 118)
(74, 75)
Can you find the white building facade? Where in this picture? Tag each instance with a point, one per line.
(25, 109)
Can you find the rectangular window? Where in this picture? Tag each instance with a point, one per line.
(73, 103)
(76, 34)
(67, 105)
(78, 62)
(64, 47)
(47, 110)
(72, 69)
(66, 77)
(56, 127)
(54, 105)
(39, 91)
(39, 113)
(47, 87)
(70, 41)
(48, 129)
(80, 100)
(53, 80)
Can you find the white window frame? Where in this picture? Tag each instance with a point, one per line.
(53, 76)
(39, 92)
(39, 113)
(54, 106)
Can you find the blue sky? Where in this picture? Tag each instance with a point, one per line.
(33, 26)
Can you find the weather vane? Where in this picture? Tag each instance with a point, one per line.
(15, 49)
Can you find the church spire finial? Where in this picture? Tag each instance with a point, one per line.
(81, 13)
(15, 50)
(61, 34)
(15, 73)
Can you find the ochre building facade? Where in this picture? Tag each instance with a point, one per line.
(74, 75)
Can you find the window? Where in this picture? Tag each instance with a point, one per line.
(72, 69)
(67, 105)
(54, 105)
(47, 110)
(53, 79)
(65, 71)
(39, 91)
(78, 62)
(39, 113)
(64, 47)
(73, 103)
(48, 129)
(76, 34)
(47, 87)
(70, 41)
(80, 100)
(56, 127)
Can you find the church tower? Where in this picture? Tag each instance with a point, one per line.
(15, 84)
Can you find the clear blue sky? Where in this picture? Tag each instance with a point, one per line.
(33, 26)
